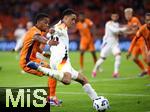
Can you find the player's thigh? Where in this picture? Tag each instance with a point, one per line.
(91, 46)
(145, 55)
(83, 45)
(136, 52)
(148, 58)
(105, 50)
(116, 50)
(32, 71)
(82, 79)
(69, 69)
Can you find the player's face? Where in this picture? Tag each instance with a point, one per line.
(70, 20)
(81, 17)
(128, 15)
(147, 21)
(44, 24)
(115, 17)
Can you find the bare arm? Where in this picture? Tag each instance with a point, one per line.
(116, 29)
(39, 38)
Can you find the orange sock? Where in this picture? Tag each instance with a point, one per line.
(52, 87)
(140, 64)
(81, 61)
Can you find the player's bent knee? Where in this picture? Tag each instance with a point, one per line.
(134, 59)
(82, 79)
(85, 80)
(66, 79)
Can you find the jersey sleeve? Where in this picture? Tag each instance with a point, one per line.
(78, 26)
(89, 22)
(136, 22)
(115, 29)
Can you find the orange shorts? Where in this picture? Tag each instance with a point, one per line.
(87, 46)
(32, 71)
(136, 51)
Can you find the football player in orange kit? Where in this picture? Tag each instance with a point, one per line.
(144, 33)
(134, 24)
(31, 46)
(85, 27)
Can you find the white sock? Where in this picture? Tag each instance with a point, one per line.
(52, 73)
(98, 64)
(90, 91)
(117, 63)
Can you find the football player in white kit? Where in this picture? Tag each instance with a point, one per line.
(111, 44)
(20, 34)
(61, 68)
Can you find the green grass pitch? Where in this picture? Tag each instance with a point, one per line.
(128, 93)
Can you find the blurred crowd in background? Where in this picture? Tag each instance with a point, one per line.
(14, 12)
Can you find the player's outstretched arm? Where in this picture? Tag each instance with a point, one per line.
(39, 38)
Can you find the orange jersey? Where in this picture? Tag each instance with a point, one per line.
(30, 47)
(134, 22)
(144, 32)
(84, 29)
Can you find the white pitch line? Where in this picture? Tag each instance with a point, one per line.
(105, 80)
(114, 79)
(111, 94)
(91, 81)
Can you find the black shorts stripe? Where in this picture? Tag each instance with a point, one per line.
(29, 53)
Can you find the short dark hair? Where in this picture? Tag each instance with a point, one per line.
(40, 16)
(68, 12)
(114, 12)
(147, 14)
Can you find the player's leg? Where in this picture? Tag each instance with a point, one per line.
(81, 59)
(52, 98)
(117, 65)
(19, 44)
(46, 71)
(94, 56)
(92, 50)
(86, 86)
(104, 53)
(51, 84)
(147, 60)
(83, 48)
(135, 54)
(117, 53)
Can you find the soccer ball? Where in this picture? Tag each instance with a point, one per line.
(101, 104)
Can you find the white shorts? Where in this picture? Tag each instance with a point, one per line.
(109, 48)
(66, 67)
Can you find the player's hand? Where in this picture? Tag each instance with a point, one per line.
(128, 55)
(52, 42)
(51, 30)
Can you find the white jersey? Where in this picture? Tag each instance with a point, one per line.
(111, 39)
(112, 30)
(59, 59)
(20, 33)
(60, 52)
